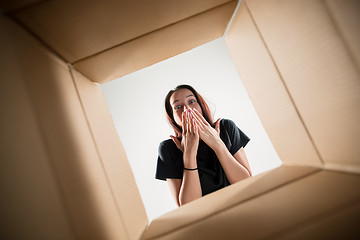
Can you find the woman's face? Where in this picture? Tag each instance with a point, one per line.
(181, 100)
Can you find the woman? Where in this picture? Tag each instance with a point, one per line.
(203, 156)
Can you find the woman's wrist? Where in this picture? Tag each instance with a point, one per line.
(190, 169)
(190, 166)
(219, 146)
(190, 154)
(190, 162)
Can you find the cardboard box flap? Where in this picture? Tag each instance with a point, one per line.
(281, 212)
(217, 202)
(157, 46)
(81, 28)
(321, 76)
(268, 92)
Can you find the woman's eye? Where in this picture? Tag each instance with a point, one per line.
(177, 107)
(192, 101)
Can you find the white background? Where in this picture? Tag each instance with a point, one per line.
(136, 103)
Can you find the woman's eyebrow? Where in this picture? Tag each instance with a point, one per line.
(191, 95)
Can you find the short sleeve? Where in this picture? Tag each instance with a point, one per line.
(169, 162)
(237, 138)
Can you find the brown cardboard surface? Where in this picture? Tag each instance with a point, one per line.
(66, 179)
(113, 156)
(84, 191)
(319, 73)
(345, 16)
(12, 5)
(81, 28)
(268, 93)
(157, 46)
(227, 198)
(324, 193)
(31, 203)
(328, 226)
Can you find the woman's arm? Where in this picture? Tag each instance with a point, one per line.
(189, 188)
(234, 170)
(232, 174)
(235, 166)
(174, 185)
(240, 156)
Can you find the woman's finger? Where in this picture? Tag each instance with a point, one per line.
(176, 141)
(217, 125)
(198, 120)
(189, 122)
(196, 128)
(199, 116)
(183, 122)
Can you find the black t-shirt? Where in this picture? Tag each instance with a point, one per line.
(212, 176)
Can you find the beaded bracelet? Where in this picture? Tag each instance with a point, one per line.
(190, 169)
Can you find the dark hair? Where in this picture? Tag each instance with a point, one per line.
(169, 112)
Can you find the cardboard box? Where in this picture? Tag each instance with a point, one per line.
(64, 172)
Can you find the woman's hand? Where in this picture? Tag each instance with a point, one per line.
(190, 137)
(177, 143)
(210, 135)
(189, 123)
